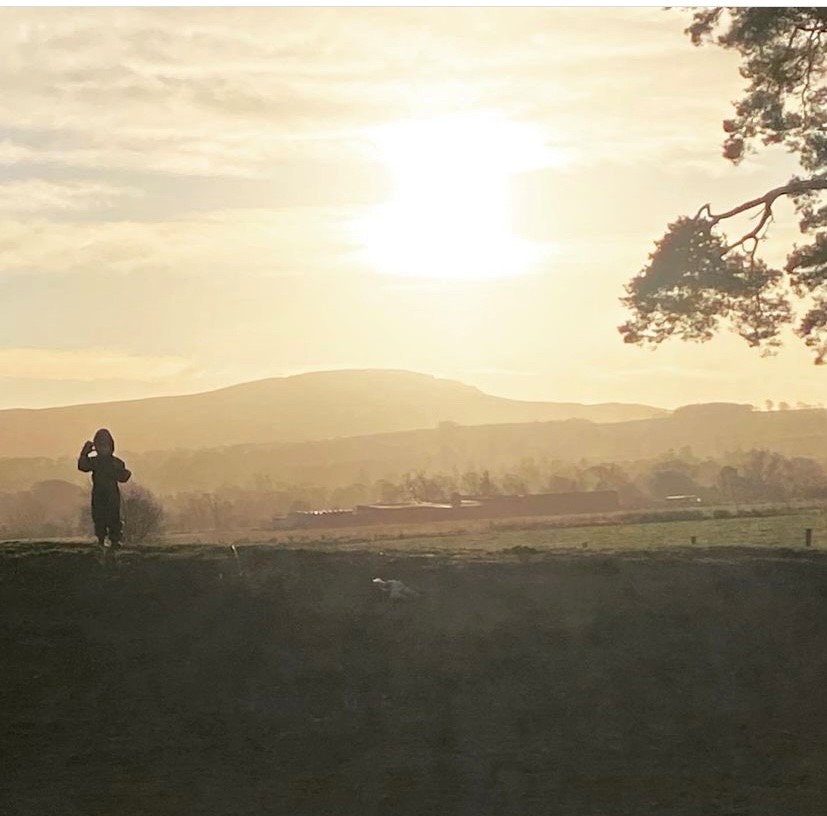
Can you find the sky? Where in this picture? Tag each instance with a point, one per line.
(193, 198)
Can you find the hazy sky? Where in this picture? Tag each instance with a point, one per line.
(192, 198)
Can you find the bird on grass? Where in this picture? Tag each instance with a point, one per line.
(396, 590)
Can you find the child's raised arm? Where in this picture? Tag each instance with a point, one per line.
(84, 463)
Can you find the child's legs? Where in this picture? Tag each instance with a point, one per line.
(99, 518)
(113, 519)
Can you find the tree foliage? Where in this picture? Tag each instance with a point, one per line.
(142, 513)
(697, 277)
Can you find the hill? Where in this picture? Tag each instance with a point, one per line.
(319, 405)
(708, 430)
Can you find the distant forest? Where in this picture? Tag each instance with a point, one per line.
(720, 452)
(55, 507)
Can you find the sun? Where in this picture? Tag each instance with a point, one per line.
(451, 215)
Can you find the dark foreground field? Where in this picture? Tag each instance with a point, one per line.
(670, 683)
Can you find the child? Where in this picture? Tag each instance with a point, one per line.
(107, 471)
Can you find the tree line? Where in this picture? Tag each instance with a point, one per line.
(57, 508)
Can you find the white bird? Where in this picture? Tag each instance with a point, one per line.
(397, 591)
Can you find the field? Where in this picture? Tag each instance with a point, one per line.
(533, 675)
(765, 527)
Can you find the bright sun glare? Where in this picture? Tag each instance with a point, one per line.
(451, 216)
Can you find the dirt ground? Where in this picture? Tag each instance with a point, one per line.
(180, 681)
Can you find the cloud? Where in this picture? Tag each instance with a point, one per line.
(511, 372)
(38, 196)
(204, 90)
(231, 91)
(87, 365)
(236, 242)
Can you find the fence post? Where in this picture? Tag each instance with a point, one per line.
(808, 537)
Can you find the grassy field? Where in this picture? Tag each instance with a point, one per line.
(177, 680)
(770, 531)
(612, 532)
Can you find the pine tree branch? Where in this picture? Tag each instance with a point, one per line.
(765, 201)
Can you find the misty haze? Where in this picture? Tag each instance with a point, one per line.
(413, 410)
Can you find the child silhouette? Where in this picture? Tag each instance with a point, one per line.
(107, 472)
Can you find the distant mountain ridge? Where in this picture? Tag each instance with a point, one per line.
(710, 430)
(304, 407)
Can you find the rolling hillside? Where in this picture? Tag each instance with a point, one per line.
(709, 430)
(319, 405)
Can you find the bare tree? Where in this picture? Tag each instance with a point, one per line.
(142, 513)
